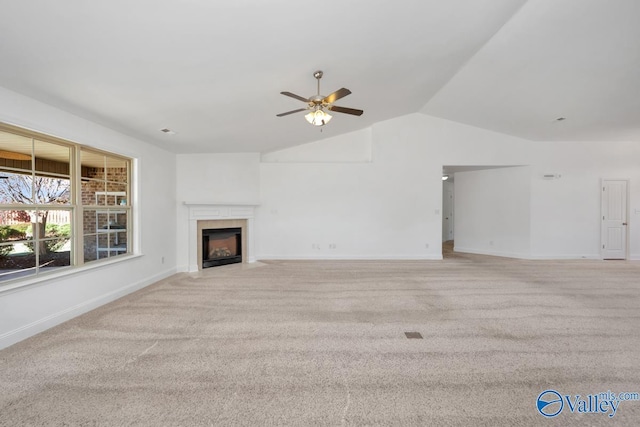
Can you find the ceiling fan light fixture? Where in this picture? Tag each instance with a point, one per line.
(318, 117)
(317, 103)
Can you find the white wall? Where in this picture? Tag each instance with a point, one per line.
(565, 212)
(493, 212)
(212, 178)
(218, 177)
(354, 147)
(29, 310)
(388, 208)
(365, 210)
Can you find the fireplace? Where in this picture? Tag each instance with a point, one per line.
(204, 215)
(221, 246)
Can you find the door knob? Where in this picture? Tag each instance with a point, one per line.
(624, 223)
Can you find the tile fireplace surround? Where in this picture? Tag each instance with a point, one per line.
(220, 215)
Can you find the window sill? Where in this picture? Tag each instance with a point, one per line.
(45, 277)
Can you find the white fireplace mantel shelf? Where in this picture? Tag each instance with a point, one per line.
(206, 211)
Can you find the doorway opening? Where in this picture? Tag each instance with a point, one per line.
(448, 179)
(469, 220)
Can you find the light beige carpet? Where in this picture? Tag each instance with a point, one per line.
(323, 343)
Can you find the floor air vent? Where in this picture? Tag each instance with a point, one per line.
(413, 335)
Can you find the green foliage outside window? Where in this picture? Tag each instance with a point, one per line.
(7, 234)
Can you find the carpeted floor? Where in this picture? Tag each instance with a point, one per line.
(306, 343)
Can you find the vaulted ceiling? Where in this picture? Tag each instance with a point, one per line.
(213, 71)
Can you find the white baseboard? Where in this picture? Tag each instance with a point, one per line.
(194, 268)
(328, 257)
(491, 253)
(182, 268)
(40, 325)
(565, 257)
(528, 256)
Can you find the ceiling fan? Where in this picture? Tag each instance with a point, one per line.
(317, 104)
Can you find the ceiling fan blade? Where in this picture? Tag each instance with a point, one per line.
(340, 93)
(293, 95)
(345, 110)
(291, 112)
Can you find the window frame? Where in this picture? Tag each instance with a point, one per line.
(75, 206)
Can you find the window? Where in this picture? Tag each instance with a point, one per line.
(105, 206)
(61, 204)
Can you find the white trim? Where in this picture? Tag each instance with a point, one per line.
(430, 257)
(565, 257)
(134, 202)
(40, 325)
(534, 257)
(182, 268)
(491, 253)
(27, 281)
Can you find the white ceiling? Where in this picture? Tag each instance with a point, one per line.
(578, 59)
(212, 71)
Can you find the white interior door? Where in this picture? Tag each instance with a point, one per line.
(614, 219)
(447, 211)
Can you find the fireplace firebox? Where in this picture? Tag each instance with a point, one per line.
(221, 246)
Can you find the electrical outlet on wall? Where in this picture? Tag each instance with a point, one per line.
(332, 246)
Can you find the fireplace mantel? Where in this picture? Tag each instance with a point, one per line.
(211, 211)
